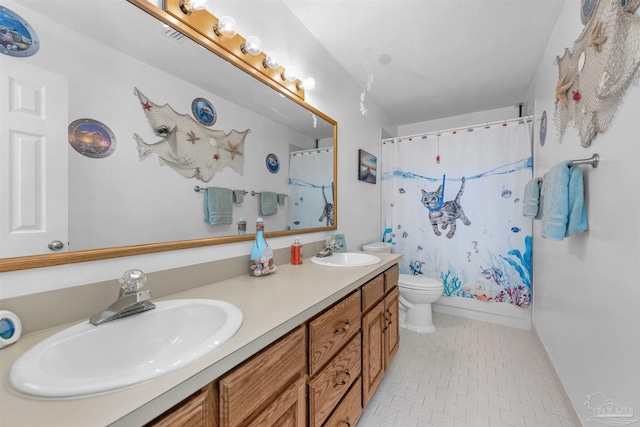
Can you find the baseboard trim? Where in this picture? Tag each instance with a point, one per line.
(566, 402)
(486, 311)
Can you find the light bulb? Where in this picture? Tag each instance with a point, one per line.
(290, 74)
(253, 46)
(308, 83)
(186, 6)
(272, 61)
(227, 27)
(197, 4)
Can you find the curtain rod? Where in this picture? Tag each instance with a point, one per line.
(312, 150)
(462, 128)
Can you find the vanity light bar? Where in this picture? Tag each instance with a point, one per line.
(201, 26)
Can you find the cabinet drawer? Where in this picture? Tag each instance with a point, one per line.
(349, 410)
(328, 387)
(253, 384)
(391, 277)
(329, 332)
(372, 291)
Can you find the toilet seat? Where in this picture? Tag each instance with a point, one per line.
(408, 281)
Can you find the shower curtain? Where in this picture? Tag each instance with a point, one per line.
(452, 205)
(311, 189)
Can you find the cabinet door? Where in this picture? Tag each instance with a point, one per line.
(198, 410)
(392, 331)
(373, 324)
(258, 382)
(289, 409)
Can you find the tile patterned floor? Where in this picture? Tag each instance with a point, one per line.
(467, 373)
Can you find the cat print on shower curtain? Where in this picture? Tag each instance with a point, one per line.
(444, 214)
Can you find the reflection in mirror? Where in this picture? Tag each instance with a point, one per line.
(133, 201)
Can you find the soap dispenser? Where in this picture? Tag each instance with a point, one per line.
(261, 259)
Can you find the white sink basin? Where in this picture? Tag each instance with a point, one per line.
(86, 359)
(346, 259)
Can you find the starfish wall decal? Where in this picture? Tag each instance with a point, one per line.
(597, 40)
(233, 149)
(191, 137)
(562, 88)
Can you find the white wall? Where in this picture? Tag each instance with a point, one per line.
(336, 94)
(586, 295)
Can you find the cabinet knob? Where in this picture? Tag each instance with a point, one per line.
(344, 381)
(343, 329)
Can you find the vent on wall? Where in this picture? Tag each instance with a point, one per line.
(172, 34)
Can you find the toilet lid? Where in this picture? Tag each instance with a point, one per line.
(418, 282)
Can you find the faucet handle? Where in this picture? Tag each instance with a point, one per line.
(131, 281)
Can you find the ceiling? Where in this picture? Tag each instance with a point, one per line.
(435, 58)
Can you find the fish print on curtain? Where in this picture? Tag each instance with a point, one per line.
(459, 218)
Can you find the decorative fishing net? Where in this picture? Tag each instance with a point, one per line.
(594, 77)
(189, 148)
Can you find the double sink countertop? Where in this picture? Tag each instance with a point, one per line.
(271, 306)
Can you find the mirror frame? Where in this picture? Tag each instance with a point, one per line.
(49, 260)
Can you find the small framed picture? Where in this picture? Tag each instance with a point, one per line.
(367, 167)
(341, 244)
(204, 112)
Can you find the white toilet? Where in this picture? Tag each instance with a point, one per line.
(416, 295)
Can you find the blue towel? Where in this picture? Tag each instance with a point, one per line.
(238, 196)
(531, 204)
(564, 212)
(218, 205)
(577, 212)
(268, 203)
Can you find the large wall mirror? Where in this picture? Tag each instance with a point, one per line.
(101, 61)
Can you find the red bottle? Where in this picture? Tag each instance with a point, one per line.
(296, 253)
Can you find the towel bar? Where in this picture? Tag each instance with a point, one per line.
(593, 161)
(257, 193)
(198, 189)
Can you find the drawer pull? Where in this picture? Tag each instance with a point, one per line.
(344, 381)
(344, 329)
(390, 316)
(348, 423)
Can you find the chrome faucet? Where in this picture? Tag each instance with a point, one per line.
(129, 301)
(329, 247)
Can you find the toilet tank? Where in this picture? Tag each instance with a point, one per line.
(379, 247)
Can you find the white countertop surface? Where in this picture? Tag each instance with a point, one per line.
(271, 306)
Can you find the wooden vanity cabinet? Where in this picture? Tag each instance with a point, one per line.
(323, 379)
(380, 335)
(198, 410)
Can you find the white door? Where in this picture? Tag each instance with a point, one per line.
(33, 159)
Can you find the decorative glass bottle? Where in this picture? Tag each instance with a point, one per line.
(261, 258)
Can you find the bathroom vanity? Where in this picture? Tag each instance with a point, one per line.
(313, 347)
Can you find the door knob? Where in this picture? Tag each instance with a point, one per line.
(56, 245)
